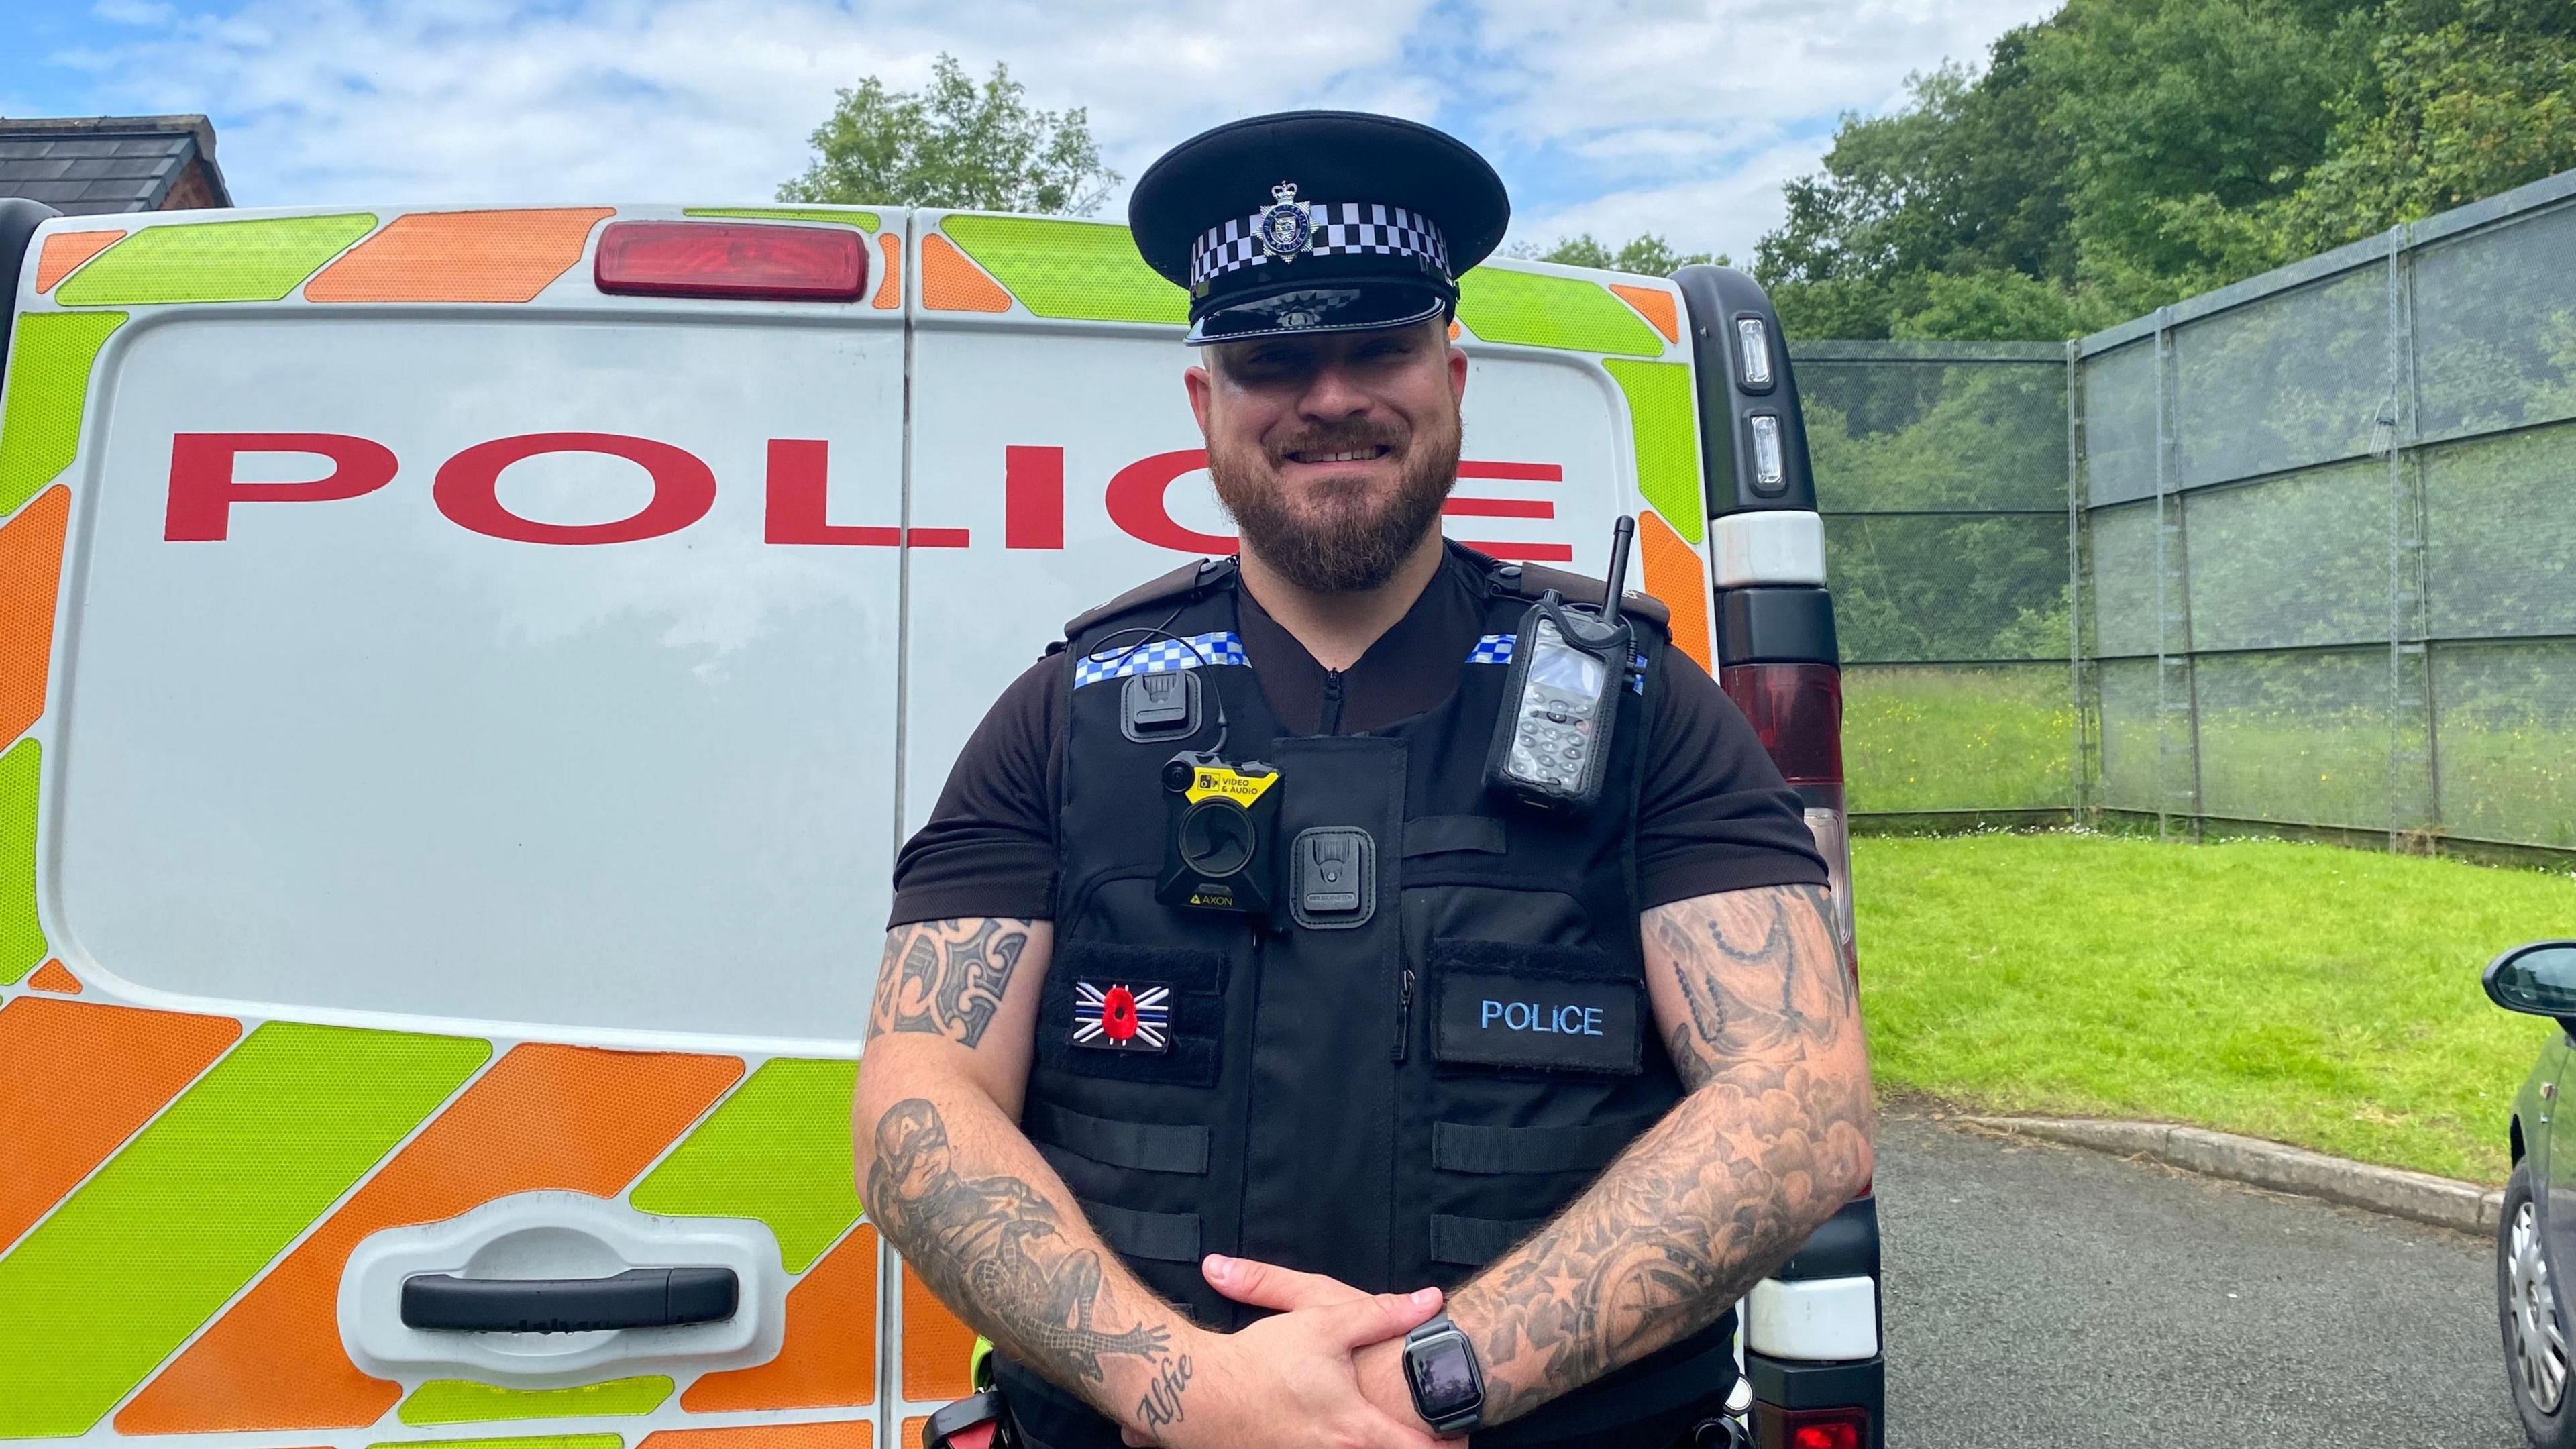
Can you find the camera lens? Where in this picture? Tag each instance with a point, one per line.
(1215, 838)
(1177, 776)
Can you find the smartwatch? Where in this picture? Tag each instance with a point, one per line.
(1448, 1384)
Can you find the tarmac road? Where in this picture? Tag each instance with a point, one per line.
(2048, 1296)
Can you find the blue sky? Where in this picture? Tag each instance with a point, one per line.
(1676, 116)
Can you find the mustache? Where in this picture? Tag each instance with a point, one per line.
(1342, 438)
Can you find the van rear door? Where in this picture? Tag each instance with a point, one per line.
(446, 801)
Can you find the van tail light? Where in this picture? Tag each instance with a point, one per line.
(1842, 1428)
(732, 259)
(1797, 712)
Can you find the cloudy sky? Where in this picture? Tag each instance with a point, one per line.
(1676, 116)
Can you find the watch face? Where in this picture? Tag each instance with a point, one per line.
(1441, 1372)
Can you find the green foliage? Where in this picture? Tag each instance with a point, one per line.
(2123, 154)
(954, 144)
(1926, 737)
(2305, 993)
(1648, 256)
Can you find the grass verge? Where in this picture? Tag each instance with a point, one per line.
(2304, 993)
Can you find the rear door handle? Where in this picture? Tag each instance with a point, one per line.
(636, 1298)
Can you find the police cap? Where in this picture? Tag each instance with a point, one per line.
(1317, 221)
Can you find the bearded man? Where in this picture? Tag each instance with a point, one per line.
(1392, 1111)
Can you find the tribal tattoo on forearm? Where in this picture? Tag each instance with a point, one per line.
(947, 977)
(994, 1248)
(1774, 1137)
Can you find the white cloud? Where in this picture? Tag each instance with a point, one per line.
(1724, 213)
(1661, 115)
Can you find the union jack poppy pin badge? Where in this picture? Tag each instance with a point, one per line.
(1122, 1018)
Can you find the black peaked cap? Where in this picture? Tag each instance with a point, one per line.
(1387, 166)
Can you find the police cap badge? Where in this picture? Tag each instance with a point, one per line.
(1317, 221)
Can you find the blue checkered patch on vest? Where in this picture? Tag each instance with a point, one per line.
(1160, 656)
(1497, 649)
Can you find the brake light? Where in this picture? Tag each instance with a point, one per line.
(1775, 1428)
(732, 259)
(1797, 711)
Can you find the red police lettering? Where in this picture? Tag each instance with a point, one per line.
(800, 505)
(1136, 503)
(203, 491)
(1032, 497)
(468, 488)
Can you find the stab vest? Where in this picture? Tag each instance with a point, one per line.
(1392, 1100)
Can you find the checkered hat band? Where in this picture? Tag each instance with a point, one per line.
(1159, 656)
(1340, 228)
(1497, 649)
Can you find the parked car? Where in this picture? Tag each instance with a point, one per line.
(2536, 1232)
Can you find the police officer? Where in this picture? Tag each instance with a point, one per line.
(1448, 1116)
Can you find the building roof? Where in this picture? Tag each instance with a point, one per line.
(90, 164)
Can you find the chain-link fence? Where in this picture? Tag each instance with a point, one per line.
(1941, 472)
(2323, 564)
(2328, 566)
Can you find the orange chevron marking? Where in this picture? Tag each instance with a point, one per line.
(1676, 576)
(1655, 306)
(890, 286)
(77, 1079)
(31, 561)
(576, 1119)
(938, 1350)
(66, 250)
(950, 283)
(830, 1360)
(460, 256)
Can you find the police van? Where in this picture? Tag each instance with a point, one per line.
(464, 676)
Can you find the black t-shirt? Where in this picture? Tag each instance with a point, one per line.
(1715, 815)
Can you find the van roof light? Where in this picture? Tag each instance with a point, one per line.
(751, 260)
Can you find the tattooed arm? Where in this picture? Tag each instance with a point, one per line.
(954, 1185)
(1750, 991)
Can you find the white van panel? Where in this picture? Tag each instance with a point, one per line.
(628, 786)
(981, 614)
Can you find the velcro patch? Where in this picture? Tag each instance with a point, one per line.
(1119, 1016)
(1536, 1021)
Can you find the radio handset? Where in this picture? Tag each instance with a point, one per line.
(1551, 748)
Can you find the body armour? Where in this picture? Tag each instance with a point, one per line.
(1392, 1091)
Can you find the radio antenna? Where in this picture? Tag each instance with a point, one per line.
(1620, 534)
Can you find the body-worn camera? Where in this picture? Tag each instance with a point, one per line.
(1551, 746)
(1220, 846)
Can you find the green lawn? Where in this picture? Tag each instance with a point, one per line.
(2305, 993)
(1959, 737)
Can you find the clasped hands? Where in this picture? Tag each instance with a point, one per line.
(1325, 1370)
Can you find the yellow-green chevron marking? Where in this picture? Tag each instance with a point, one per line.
(1073, 269)
(457, 1401)
(1536, 309)
(525, 1441)
(174, 1225)
(1663, 422)
(48, 392)
(867, 219)
(778, 1150)
(214, 261)
(22, 940)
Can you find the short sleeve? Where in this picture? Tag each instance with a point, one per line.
(988, 848)
(1715, 814)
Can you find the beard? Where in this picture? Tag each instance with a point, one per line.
(1338, 535)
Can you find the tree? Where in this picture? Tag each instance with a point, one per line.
(954, 144)
(1648, 255)
(2123, 154)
